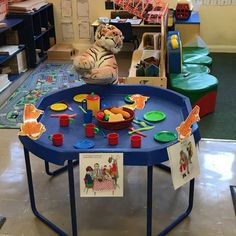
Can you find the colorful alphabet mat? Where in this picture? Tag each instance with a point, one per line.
(46, 78)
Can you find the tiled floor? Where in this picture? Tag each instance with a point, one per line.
(213, 212)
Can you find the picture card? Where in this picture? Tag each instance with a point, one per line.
(184, 162)
(101, 174)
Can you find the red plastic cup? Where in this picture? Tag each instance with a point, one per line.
(135, 141)
(57, 139)
(89, 130)
(113, 138)
(64, 121)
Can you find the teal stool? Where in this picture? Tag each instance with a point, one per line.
(196, 55)
(194, 68)
(197, 59)
(200, 88)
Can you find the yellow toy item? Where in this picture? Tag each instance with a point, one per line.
(115, 117)
(93, 103)
(174, 36)
(108, 112)
(174, 44)
(117, 110)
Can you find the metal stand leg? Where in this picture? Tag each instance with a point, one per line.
(149, 200)
(32, 198)
(190, 204)
(58, 171)
(72, 198)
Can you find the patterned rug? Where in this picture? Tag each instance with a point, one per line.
(46, 78)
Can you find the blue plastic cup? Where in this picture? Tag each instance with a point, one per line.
(88, 116)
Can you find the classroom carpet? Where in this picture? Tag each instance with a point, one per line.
(221, 123)
(47, 77)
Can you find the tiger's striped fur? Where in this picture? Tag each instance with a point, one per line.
(98, 64)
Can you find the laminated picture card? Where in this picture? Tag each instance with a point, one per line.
(101, 174)
(184, 162)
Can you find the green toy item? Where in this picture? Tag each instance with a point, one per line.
(128, 99)
(154, 116)
(165, 136)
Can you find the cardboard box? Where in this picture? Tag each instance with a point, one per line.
(61, 52)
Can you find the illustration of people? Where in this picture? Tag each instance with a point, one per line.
(106, 173)
(190, 152)
(88, 179)
(114, 170)
(183, 162)
(97, 172)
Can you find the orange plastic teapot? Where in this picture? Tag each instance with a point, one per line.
(93, 103)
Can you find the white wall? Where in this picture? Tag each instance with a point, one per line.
(218, 28)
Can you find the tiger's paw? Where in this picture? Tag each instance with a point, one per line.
(82, 63)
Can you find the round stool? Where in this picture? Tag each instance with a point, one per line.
(200, 88)
(194, 68)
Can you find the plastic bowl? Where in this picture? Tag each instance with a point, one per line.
(119, 124)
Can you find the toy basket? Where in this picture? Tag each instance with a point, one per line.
(3, 9)
(119, 124)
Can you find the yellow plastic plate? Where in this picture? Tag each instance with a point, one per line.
(58, 106)
(80, 97)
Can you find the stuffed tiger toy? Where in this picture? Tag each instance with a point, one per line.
(98, 64)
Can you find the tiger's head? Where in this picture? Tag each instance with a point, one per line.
(109, 37)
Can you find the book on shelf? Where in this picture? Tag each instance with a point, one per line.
(4, 82)
(8, 49)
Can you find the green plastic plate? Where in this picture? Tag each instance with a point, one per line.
(165, 136)
(154, 116)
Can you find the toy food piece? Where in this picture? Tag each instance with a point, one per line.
(130, 106)
(117, 110)
(106, 117)
(115, 117)
(108, 112)
(100, 115)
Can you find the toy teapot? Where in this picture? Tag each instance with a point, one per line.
(92, 102)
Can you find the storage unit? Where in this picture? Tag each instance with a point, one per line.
(160, 80)
(11, 53)
(38, 33)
